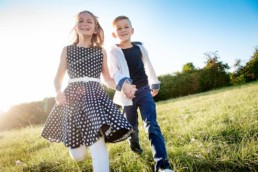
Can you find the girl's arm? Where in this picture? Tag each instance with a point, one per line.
(127, 88)
(105, 72)
(60, 97)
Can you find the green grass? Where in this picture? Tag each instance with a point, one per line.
(211, 131)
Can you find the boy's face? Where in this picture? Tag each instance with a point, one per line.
(123, 30)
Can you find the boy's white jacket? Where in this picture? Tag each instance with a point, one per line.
(118, 70)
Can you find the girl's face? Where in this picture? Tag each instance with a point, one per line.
(86, 25)
(123, 30)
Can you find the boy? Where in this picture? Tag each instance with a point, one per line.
(129, 63)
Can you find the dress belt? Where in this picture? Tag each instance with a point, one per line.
(83, 79)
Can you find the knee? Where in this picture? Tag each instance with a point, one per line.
(78, 158)
(152, 127)
(78, 154)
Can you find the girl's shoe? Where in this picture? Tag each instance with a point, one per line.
(136, 148)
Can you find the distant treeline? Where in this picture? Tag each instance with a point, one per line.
(26, 114)
(215, 74)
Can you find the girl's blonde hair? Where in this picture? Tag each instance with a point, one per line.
(98, 38)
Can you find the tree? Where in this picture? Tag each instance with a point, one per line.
(188, 67)
(251, 67)
(214, 74)
(25, 114)
(238, 76)
(247, 72)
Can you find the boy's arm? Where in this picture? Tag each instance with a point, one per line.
(116, 72)
(123, 82)
(153, 79)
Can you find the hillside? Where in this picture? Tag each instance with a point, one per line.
(211, 131)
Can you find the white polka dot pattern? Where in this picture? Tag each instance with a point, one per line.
(89, 110)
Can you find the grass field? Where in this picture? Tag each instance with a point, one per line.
(211, 131)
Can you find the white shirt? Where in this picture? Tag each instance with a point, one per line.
(118, 69)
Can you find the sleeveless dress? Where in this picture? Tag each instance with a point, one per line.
(89, 112)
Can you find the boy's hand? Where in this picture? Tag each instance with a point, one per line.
(60, 98)
(129, 90)
(154, 92)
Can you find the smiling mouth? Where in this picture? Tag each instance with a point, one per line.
(85, 29)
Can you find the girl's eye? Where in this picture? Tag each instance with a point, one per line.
(80, 21)
(119, 28)
(89, 21)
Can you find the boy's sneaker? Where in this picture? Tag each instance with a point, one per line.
(136, 148)
(166, 170)
(163, 166)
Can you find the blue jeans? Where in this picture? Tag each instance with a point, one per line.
(144, 100)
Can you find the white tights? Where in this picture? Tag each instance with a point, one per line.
(99, 155)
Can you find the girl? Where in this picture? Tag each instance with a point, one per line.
(84, 116)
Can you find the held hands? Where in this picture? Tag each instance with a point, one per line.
(154, 92)
(60, 98)
(128, 90)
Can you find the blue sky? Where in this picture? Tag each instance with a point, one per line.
(175, 32)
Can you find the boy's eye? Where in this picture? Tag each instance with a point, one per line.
(119, 28)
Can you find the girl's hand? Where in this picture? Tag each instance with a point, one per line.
(132, 91)
(154, 92)
(129, 90)
(60, 98)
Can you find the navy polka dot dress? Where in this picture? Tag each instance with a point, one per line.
(89, 112)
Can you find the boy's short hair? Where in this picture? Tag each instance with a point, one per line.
(121, 18)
